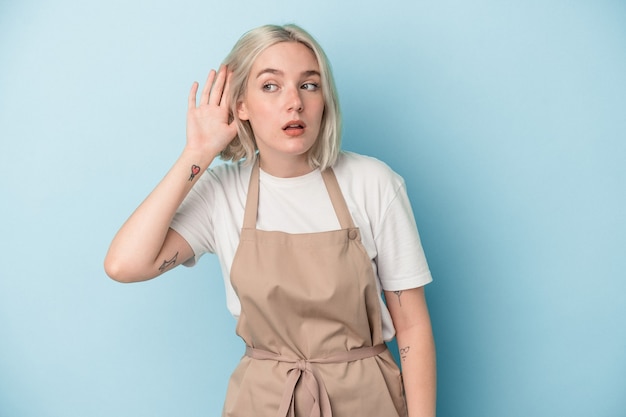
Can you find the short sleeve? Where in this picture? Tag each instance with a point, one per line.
(401, 261)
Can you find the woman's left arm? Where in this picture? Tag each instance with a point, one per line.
(417, 349)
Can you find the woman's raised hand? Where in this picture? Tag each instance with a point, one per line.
(145, 246)
(208, 128)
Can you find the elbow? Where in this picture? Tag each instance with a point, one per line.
(114, 272)
(118, 271)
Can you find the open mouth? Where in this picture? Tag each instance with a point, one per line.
(294, 125)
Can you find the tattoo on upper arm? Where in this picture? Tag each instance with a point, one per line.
(168, 263)
(404, 352)
(398, 294)
(195, 170)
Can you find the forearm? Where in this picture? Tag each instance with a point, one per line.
(143, 242)
(417, 349)
(417, 355)
(134, 251)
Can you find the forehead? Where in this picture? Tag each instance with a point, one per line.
(285, 57)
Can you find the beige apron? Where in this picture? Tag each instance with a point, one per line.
(310, 317)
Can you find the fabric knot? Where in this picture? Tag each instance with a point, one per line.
(302, 365)
(315, 397)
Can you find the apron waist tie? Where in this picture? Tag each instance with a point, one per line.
(317, 400)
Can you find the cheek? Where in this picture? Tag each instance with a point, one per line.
(259, 109)
(321, 110)
(320, 104)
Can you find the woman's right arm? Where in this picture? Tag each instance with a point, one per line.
(145, 246)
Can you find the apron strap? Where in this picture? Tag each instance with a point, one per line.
(252, 201)
(336, 197)
(317, 400)
(332, 186)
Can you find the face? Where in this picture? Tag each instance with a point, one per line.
(284, 102)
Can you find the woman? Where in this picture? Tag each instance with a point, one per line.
(308, 239)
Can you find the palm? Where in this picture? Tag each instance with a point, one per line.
(208, 127)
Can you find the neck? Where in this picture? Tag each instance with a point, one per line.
(285, 167)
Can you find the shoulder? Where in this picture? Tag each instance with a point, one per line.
(367, 170)
(221, 182)
(369, 185)
(227, 175)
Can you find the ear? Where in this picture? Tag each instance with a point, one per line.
(242, 111)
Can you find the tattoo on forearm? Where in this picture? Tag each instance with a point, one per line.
(195, 170)
(398, 294)
(168, 263)
(404, 352)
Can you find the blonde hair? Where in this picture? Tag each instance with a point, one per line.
(240, 60)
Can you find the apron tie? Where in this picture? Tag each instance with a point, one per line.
(317, 399)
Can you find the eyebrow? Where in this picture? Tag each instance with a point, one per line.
(308, 73)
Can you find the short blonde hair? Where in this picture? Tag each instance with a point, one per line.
(240, 60)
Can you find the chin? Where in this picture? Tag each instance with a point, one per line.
(298, 147)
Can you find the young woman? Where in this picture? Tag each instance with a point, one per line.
(308, 239)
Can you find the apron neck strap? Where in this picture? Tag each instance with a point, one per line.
(332, 186)
(252, 201)
(336, 197)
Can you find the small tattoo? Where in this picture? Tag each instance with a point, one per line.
(404, 351)
(168, 263)
(398, 294)
(195, 170)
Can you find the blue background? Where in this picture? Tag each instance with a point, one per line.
(507, 120)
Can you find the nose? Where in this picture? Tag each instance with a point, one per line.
(294, 100)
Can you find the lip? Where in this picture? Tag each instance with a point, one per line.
(299, 123)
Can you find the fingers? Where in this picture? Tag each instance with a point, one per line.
(226, 94)
(218, 87)
(204, 98)
(214, 91)
(192, 96)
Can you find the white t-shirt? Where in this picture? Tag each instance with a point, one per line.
(211, 216)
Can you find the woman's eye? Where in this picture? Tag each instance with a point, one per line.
(270, 87)
(310, 86)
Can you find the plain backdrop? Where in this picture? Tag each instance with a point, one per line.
(507, 120)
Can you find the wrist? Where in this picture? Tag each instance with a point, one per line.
(199, 157)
